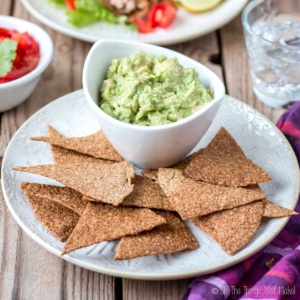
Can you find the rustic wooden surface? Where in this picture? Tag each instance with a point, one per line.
(27, 270)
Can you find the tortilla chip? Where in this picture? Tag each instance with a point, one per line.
(273, 210)
(224, 163)
(192, 198)
(60, 194)
(96, 144)
(147, 193)
(102, 222)
(232, 229)
(105, 183)
(59, 220)
(63, 156)
(168, 238)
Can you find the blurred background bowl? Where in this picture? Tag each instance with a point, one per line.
(14, 92)
(149, 146)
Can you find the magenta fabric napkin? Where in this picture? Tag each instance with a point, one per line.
(251, 279)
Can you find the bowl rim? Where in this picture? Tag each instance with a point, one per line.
(44, 59)
(180, 56)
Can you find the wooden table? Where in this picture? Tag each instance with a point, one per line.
(28, 271)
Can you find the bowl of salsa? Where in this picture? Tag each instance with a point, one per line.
(25, 50)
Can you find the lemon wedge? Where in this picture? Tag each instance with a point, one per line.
(198, 5)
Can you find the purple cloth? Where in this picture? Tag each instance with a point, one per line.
(251, 279)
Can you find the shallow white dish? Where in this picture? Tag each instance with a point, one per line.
(185, 27)
(259, 138)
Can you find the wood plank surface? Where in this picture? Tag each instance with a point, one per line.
(31, 272)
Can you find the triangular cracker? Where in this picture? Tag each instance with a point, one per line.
(168, 238)
(273, 210)
(58, 219)
(96, 144)
(103, 222)
(232, 229)
(63, 156)
(192, 198)
(60, 194)
(105, 183)
(224, 163)
(147, 193)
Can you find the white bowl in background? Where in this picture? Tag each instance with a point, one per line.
(148, 146)
(14, 92)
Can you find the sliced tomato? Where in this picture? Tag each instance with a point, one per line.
(71, 4)
(143, 25)
(164, 14)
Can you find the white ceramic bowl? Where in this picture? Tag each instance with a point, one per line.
(14, 92)
(153, 146)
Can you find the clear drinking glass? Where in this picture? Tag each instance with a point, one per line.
(272, 36)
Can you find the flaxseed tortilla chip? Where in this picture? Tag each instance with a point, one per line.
(147, 193)
(105, 183)
(232, 229)
(63, 156)
(96, 144)
(192, 198)
(224, 163)
(60, 194)
(103, 222)
(273, 210)
(58, 219)
(168, 238)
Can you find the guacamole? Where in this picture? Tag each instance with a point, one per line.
(149, 90)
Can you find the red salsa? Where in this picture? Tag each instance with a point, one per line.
(27, 53)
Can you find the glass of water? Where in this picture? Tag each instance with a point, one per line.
(272, 36)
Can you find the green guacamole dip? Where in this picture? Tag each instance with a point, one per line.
(151, 90)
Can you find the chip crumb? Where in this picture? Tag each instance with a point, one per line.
(103, 222)
(269, 263)
(168, 238)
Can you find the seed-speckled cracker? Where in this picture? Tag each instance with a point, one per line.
(60, 194)
(191, 198)
(168, 238)
(58, 219)
(147, 193)
(105, 183)
(273, 210)
(103, 222)
(63, 156)
(224, 163)
(96, 144)
(232, 229)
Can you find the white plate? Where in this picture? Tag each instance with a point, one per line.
(185, 27)
(258, 137)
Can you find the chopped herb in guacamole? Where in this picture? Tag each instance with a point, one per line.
(149, 90)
